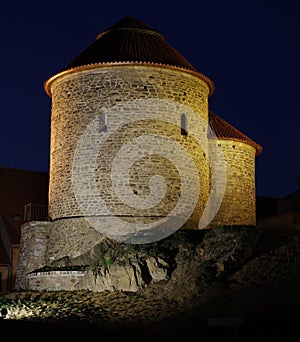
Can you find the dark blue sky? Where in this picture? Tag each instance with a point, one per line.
(250, 50)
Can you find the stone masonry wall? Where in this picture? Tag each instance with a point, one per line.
(79, 98)
(32, 254)
(98, 113)
(238, 205)
(55, 280)
(71, 237)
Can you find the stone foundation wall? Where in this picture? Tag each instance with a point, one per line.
(32, 253)
(55, 280)
(71, 237)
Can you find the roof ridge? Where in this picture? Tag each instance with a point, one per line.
(130, 23)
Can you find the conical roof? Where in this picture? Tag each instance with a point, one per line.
(130, 40)
(225, 131)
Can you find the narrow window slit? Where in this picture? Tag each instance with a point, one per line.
(184, 125)
(103, 122)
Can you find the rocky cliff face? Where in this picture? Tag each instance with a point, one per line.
(188, 260)
(186, 285)
(183, 266)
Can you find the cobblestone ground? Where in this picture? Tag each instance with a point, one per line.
(221, 315)
(83, 312)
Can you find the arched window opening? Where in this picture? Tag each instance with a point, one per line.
(103, 123)
(184, 125)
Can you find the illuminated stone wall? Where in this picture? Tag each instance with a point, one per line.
(121, 104)
(71, 237)
(32, 253)
(55, 280)
(239, 203)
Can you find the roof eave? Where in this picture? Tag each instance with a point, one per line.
(258, 148)
(49, 81)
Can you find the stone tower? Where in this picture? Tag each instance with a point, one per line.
(238, 205)
(135, 153)
(129, 88)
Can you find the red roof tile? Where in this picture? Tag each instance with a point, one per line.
(225, 131)
(132, 41)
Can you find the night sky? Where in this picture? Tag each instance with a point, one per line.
(249, 49)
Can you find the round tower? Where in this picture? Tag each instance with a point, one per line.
(238, 205)
(129, 148)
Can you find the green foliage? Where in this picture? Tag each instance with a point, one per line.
(123, 253)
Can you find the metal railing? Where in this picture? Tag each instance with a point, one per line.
(35, 212)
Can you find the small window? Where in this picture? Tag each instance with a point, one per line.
(184, 125)
(103, 123)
